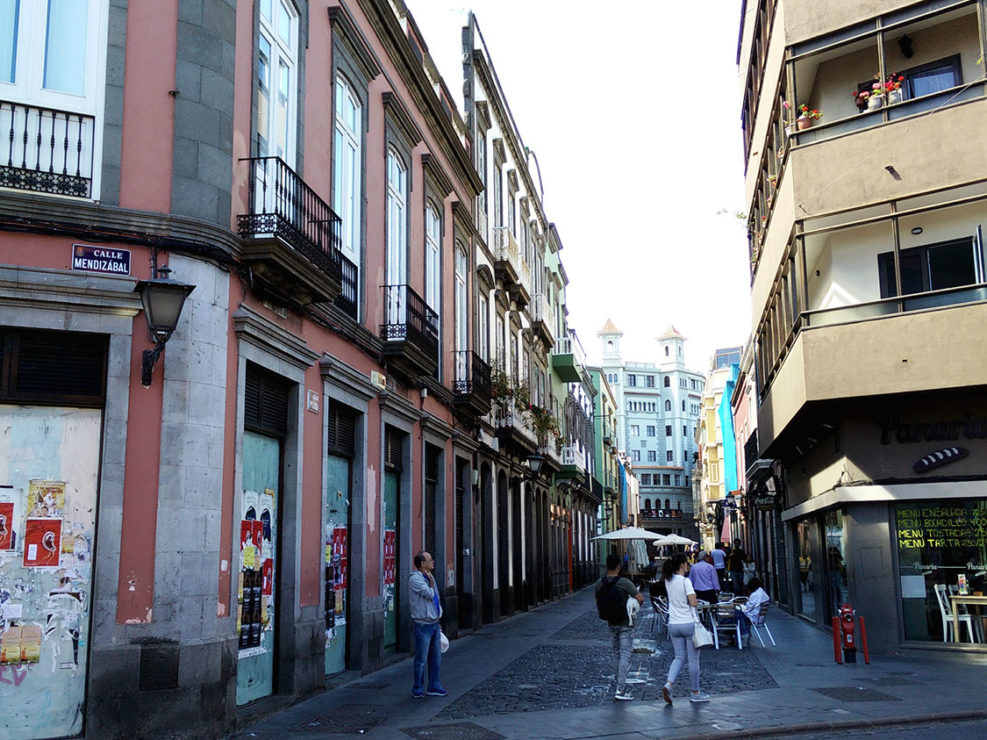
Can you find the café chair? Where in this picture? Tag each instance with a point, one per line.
(660, 607)
(946, 612)
(726, 619)
(759, 621)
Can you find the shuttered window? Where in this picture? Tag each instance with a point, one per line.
(393, 440)
(265, 403)
(56, 367)
(342, 430)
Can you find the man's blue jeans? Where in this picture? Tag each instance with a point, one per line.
(426, 648)
(623, 639)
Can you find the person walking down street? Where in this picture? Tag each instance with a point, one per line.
(750, 568)
(720, 563)
(704, 579)
(425, 614)
(612, 594)
(681, 625)
(735, 565)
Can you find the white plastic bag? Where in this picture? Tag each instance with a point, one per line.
(443, 642)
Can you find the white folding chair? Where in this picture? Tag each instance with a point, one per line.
(660, 607)
(759, 621)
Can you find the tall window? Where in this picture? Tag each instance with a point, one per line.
(667, 383)
(498, 194)
(462, 312)
(668, 405)
(482, 327)
(397, 234)
(276, 68)
(499, 339)
(433, 235)
(347, 192)
(481, 168)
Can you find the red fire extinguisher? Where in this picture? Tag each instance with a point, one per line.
(846, 616)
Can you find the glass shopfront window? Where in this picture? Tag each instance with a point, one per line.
(942, 552)
(809, 562)
(836, 581)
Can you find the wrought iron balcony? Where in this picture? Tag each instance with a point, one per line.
(289, 231)
(410, 332)
(48, 150)
(472, 382)
(349, 293)
(514, 427)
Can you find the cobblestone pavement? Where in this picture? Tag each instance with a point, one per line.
(547, 674)
(574, 668)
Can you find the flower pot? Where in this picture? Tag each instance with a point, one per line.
(874, 102)
(803, 122)
(894, 96)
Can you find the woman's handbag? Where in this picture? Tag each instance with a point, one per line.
(700, 635)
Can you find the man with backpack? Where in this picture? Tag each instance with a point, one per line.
(612, 594)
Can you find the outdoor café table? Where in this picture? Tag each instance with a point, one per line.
(956, 600)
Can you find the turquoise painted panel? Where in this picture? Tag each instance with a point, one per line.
(391, 485)
(336, 561)
(49, 463)
(256, 597)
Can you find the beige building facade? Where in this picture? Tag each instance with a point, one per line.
(867, 200)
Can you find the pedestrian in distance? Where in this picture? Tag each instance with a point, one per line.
(704, 578)
(720, 563)
(735, 566)
(750, 568)
(612, 594)
(425, 614)
(681, 626)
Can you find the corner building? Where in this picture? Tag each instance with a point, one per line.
(868, 292)
(185, 551)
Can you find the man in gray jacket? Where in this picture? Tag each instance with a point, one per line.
(425, 613)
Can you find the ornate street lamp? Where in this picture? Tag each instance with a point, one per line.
(535, 463)
(162, 300)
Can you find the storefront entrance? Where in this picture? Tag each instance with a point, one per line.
(49, 464)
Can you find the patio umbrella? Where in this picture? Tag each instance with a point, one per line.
(628, 533)
(673, 539)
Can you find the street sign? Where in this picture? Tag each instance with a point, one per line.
(100, 259)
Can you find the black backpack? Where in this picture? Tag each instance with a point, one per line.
(611, 604)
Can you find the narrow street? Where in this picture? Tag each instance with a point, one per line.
(547, 674)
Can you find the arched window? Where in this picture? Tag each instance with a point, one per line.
(668, 504)
(668, 405)
(647, 503)
(667, 382)
(666, 350)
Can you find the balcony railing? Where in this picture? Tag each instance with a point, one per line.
(48, 150)
(661, 514)
(508, 416)
(472, 374)
(282, 205)
(347, 298)
(505, 248)
(408, 318)
(570, 345)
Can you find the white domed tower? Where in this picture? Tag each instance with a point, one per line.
(610, 338)
(671, 352)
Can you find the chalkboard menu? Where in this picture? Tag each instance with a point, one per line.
(942, 524)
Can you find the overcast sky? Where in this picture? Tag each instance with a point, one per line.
(632, 108)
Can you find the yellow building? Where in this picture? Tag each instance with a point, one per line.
(866, 153)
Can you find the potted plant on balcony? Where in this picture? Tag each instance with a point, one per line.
(544, 423)
(806, 116)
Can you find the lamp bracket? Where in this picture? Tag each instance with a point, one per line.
(148, 360)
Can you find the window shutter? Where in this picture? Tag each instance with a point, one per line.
(265, 402)
(342, 430)
(53, 366)
(392, 448)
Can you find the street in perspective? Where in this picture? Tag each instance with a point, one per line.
(492, 369)
(549, 673)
